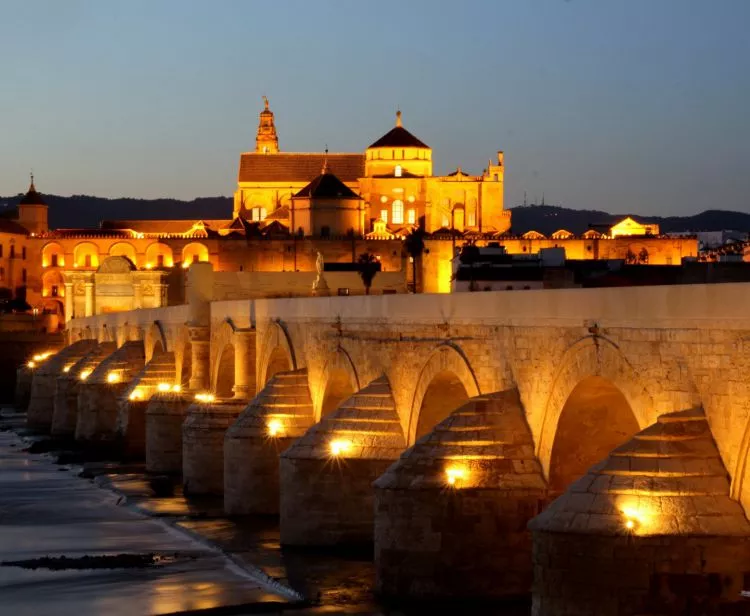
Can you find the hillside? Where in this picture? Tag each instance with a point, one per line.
(87, 211)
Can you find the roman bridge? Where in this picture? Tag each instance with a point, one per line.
(438, 426)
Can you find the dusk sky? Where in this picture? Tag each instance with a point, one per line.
(620, 105)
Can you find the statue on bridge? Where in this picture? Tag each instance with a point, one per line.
(320, 286)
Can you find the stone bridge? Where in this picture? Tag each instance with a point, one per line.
(438, 426)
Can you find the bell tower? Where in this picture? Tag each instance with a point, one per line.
(267, 141)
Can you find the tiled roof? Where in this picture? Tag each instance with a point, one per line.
(399, 137)
(299, 167)
(11, 226)
(327, 186)
(161, 226)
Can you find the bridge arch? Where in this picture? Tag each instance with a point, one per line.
(277, 353)
(223, 376)
(155, 340)
(592, 375)
(445, 382)
(338, 382)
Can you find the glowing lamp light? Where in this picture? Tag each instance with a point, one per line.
(185, 264)
(31, 364)
(67, 368)
(136, 394)
(177, 388)
(275, 427)
(84, 374)
(630, 524)
(113, 377)
(454, 475)
(633, 519)
(163, 387)
(149, 265)
(205, 397)
(339, 447)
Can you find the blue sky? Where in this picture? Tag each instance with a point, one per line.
(620, 105)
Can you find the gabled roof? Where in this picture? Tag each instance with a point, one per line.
(399, 137)
(327, 186)
(299, 167)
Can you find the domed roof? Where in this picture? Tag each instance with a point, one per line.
(32, 197)
(399, 137)
(327, 186)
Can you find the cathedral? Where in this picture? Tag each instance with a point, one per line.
(392, 182)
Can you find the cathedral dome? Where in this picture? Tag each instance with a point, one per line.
(399, 137)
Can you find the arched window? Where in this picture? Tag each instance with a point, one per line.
(258, 213)
(397, 210)
(86, 254)
(194, 252)
(384, 215)
(159, 255)
(123, 249)
(52, 255)
(411, 216)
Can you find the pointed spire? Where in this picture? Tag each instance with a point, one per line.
(398, 118)
(265, 102)
(266, 140)
(325, 162)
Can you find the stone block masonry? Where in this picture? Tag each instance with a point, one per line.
(165, 415)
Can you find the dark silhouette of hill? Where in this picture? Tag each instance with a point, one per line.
(80, 211)
(87, 211)
(549, 218)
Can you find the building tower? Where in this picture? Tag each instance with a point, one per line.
(267, 141)
(32, 211)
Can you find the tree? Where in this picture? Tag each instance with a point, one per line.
(630, 257)
(414, 246)
(368, 267)
(469, 256)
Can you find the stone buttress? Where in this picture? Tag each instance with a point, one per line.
(42, 400)
(165, 414)
(650, 530)
(203, 433)
(273, 420)
(98, 395)
(326, 476)
(451, 513)
(131, 415)
(65, 415)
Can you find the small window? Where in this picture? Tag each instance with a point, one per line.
(54, 291)
(23, 252)
(160, 261)
(472, 219)
(411, 217)
(446, 221)
(384, 215)
(53, 261)
(344, 291)
(12, 252)
(195, 259)
(497, 177)
(87, 261)
(397, 171)
(23, 275)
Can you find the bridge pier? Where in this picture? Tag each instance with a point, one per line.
(451, 513)
(98, 394)
(200, 349)
(651, 529)
(326, 476)
(65, 414)
(273, 420)
(42, 398)
(24, 377)
(165, 415)
(131, 412)
(203, 444)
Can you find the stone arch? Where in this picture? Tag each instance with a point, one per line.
(86, 254)
(53, 255)
(223, 360)
(53, 284)
(338, 382)
(192, 252)
(123, 249)
(592, 356)
(446, 365)
(183, 357)
(159, 254)
(277, 347)
(155, 340)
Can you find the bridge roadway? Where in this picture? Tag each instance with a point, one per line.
(438, 426)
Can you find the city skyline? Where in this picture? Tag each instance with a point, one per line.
(624, 107)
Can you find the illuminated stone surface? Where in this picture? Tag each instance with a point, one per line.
(131, 411)
(335, 491)
(251, 451)
(24, 377)
(203, 444)
(651, 529)
(65, 415)
(165, 413)
(42, 401)
(469, 538)
(98, 395)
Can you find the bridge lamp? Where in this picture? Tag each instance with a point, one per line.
(339, 446)
(177, 388)
(633, 520)
(84, 374)
(163, 387)
(454, 475)
(113, 377)
(136, 394)
(205, 397)
(31, 364)
(67, 368)
(275, 427)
